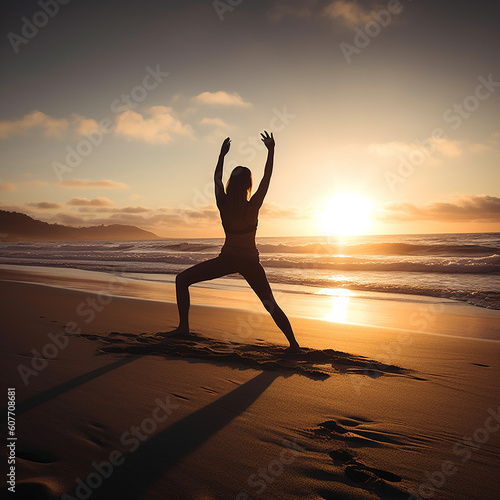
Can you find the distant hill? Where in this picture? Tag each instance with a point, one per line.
(15, 226)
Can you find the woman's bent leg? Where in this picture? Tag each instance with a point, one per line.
(208, 270)
(257, 279)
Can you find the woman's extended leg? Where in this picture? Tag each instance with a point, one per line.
(208, 270)
(257, 279)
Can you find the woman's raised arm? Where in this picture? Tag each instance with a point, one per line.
(219, 187)
(258, 198)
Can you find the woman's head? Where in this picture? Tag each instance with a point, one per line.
(239, 185)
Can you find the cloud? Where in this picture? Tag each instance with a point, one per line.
(274, 211)
(84, 125)
(349, 13)
(135, 196)
(35, 183)
(492, 144)
(45, 205)
(7, 187)
(464, 208)
(216, 122)
(14, 208)
(208, 213)
(66, 218)
(10, 187)
(221, 98)
(134, 210)
(432, 147)
(165, 218)
(85, 183)
(161, 220)
(157, 129)
(85, 202)
(36, 120)
(450, 148)
(298, 8)
(123, 210)
(176, 220)
(220, 129)
(481, 148)
(398, 149)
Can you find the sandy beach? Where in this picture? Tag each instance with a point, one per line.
(104, 409)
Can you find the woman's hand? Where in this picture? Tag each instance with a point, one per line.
(268, 140)
(225, 146)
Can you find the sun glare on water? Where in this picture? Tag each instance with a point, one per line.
(346, 214)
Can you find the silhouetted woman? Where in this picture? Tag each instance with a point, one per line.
(239, 254)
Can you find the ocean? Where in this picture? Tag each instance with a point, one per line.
(463, 267)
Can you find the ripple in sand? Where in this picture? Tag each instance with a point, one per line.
(178, 396)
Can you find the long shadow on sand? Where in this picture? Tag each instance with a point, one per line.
(144, 466)
(56, 391)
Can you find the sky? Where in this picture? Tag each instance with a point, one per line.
(385, 114)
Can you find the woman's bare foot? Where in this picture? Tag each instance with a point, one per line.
(178, 332)
(293, 349)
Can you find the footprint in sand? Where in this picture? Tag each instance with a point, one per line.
(333, 426)
(358, 474)
(369, 480)
(356, 471)
(342, 456)
(351, 432)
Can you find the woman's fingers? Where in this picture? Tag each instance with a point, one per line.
(267, 137)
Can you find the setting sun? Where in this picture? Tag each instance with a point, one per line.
(346, 214)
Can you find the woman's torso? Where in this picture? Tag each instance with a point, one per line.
(240, 225)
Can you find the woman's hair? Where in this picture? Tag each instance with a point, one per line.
(239, 187)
